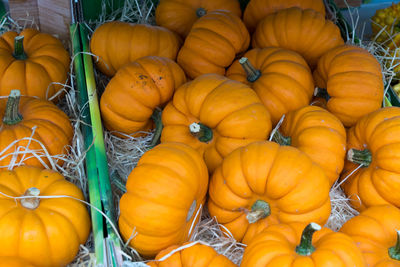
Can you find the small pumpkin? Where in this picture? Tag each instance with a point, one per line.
(192, 254)
(165, 192)
(33, 122)
(304, 31)
(33, 62)
(212, 43)
(42, 231)
(353, 81)
(299, 244)
(180, 15)
(376, 233)
(14, 262)
(215, 115)
(264, 183)
(117, 43)
(373, 142)
(137, 89)
(280, 77)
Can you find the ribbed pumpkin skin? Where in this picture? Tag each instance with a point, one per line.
(213, 43)
(164, 194)
(180, 15)
(377, 184)
(13, 262)
(348, 72)
(282, 176)
(136, 90)
(49, 235)
(117, 43)
(258, 9)
(198, 255)
(47, 62)
(53, 130)
(374, 231)
(285, 83)
(304, 31)
(231, 109)
(277, 244)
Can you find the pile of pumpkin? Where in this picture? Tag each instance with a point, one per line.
(223, 145)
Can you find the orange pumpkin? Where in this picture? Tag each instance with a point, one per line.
(263, 184)
(180, 15)
(32, 62)
(299, 244)
(29, 124)
(304, 31)
(215, 115)
(374, 142)
(13, 262)
(137, 89)
(42, 231)
(348, 72)
(376, 233)
(212, 44)
(117, 43)
(280, 77)
(165, 192)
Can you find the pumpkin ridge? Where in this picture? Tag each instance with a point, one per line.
(153, 81)
(50, 254)
(291, 79)
(377, 187)
(122, 114)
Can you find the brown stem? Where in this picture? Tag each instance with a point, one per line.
(11, 114)
(252, 73)
(305, 247)
(200, 12)
(201, 132)
(281, 139)
(259, 210)
(159, 126)
(32, 202)
(363, 157)
(19, 52)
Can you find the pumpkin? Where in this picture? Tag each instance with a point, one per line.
(165, 193)
(280, 77)
(258, 9)
(373, 142)
(13, 262)
(137, 89)
(215, 115)
(212, 43)
(348, 72)
(299, 244)
(191, 254)
(32, 62)
(28, 123)
(376, 233)
(180, 15)
(317, 133)
(304, 31)
(117, 43)
(264, 183)
(42, 231)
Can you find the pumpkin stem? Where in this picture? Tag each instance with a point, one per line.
(19, 52)
(306, 248)
(363, 157)
(322, 93)
(394, 252)
(201, 132)
(201, 12)
(281, 139)
(252, 73)
(156, 116)
(11, 114)
(259, 210)
(32, 202)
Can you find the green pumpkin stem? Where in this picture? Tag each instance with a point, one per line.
(322, 93)
(363, 157)
(201, 12)
(259, 210)
(11, 114)
(19, 52)
(281, 139)
(201, 132)
(252, 73)
(156, 116)
(394, 252)
(306, 248)
(32, 202)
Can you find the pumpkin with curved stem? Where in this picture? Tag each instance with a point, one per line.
(299, 244)
(117, 43)
(376, 233)
(43, 231)
(212, 43)
(305, 31)
(280, 77)
(180, 15)
(374, 142)
(32, 62)
(215, 115)
(136, 90)
(28, 123)
(165, 193)
(263, 184)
